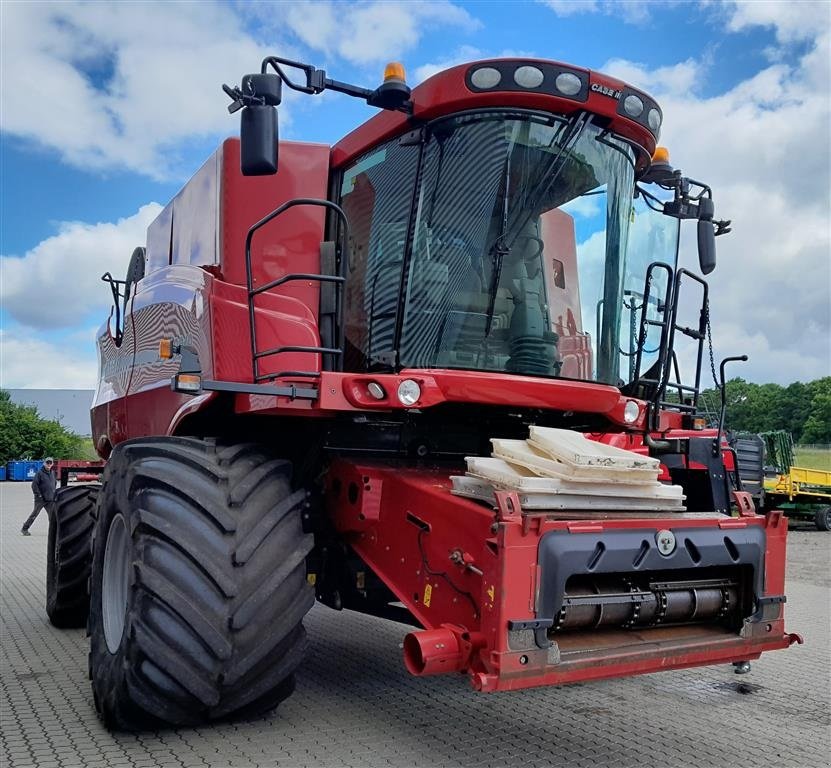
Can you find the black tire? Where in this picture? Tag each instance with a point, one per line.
(69, 556)
(822, 518)
(214, 581)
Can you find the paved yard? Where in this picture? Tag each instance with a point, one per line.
(355, 704)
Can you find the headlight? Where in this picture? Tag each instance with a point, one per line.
(409, 392)
(631, 411)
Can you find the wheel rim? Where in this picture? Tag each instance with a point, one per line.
(114, 583)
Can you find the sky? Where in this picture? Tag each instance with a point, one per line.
(106, 109)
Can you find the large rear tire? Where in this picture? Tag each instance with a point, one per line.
(69, 556)
(822, 518)
(198, 584)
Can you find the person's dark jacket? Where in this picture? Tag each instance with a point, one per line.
(44, 484)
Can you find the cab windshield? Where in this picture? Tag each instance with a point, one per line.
(506, 242)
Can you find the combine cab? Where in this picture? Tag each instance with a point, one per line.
(426, 374)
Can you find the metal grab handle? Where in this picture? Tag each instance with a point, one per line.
(337, 279)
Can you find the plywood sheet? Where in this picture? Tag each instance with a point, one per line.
(521, 453)
(574, 449)
(507, 476)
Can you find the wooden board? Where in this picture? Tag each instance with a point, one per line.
(481, 490)
(520, 453)
(576, 450)
(508, 477)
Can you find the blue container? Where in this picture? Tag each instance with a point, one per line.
(32, 468)
(2, 473)
(16, 470)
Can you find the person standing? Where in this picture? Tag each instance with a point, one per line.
(44, 488)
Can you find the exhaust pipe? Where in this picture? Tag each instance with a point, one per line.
(437, 651)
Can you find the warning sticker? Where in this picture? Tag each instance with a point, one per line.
(428, 595)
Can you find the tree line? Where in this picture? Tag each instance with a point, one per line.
(804, 410)
(25, 435)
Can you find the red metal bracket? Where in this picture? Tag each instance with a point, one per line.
(744, 502)
(508, 508)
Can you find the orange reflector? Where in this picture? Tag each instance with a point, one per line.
(394, 71)
(699, 423)
(187, 382)
(661, 155)
(166, 349)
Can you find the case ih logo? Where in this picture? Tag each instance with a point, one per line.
(605, 90)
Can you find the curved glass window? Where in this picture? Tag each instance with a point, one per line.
(500, 244)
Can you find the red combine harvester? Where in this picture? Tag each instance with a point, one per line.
(300, 361)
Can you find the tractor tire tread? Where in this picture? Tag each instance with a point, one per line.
(205, 637)
(69, 556)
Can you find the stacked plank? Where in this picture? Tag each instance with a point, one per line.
(558, 469)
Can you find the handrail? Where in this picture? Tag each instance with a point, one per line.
(337, 280)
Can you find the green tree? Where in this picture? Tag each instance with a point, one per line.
(817, 428)
(24, 434)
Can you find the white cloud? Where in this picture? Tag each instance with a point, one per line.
(119, 85)
(630, 11)
(792, 21)
(125, 85)
(29, 361)
(57, 283)
(763, 146)
(675, 79)
(462, 55)
(364, 32)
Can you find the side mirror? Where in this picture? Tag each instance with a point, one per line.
(706, 236)
(258, 124)
(258, 141)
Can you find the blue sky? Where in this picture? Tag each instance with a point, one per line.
(106, 109)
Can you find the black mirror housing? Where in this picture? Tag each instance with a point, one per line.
(706, 236)
(258, 141)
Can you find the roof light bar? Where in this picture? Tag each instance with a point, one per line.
(538, 77)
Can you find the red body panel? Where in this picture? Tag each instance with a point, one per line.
(447, 92)
(405, 524)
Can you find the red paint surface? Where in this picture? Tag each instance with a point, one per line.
(405, 524)
(447, 92)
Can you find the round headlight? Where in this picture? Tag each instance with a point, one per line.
(529, 77)
(486, 77)
(654, 119)
(632, 105)
(631, 411)
(409, 392)
(568, 83)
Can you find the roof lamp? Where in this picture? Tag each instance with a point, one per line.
(568, 83)
(633, 105)
(654, 119)
(486, 77)
(529, 77)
